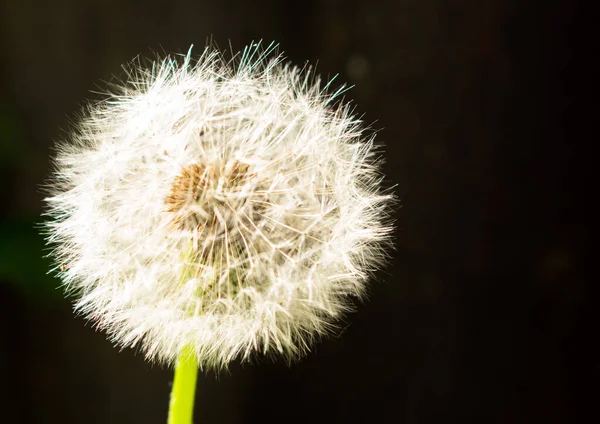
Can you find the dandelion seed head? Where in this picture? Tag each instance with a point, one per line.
(230, 206)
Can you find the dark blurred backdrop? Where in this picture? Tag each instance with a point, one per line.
(483, 316)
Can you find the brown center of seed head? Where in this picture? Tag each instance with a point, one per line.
(207, 200)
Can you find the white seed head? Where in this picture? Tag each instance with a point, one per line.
(226, 206)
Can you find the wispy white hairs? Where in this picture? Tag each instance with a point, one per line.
(226, 206)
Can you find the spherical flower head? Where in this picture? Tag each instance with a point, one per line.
(222, 206)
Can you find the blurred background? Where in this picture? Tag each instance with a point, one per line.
(482, 316)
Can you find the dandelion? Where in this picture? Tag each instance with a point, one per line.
(217, 207)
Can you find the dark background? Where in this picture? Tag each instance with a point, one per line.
(482, 316)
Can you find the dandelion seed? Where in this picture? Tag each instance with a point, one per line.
(224, 207)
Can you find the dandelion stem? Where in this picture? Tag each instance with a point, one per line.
(181, 407)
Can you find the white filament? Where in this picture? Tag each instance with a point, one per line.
(281, 223)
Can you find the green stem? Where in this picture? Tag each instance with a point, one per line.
(181, 408)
